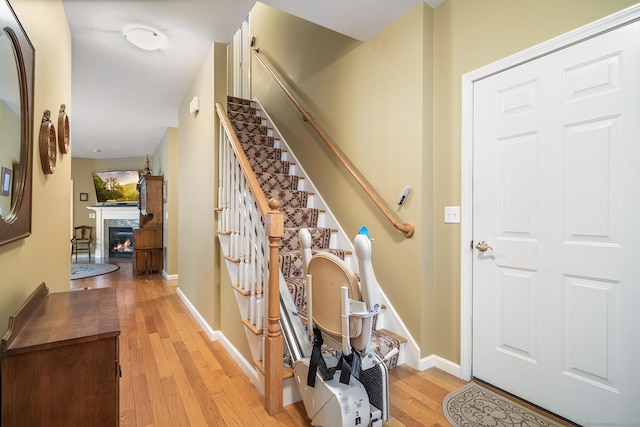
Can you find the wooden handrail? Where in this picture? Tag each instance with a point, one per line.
(273, 221)
(406, 228)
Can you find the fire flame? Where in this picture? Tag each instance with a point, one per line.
(123, 247)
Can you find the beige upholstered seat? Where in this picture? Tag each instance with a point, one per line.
(329, 275)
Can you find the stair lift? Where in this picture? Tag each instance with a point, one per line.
(353, 390)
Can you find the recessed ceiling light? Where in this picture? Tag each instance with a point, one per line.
(145, 38)
(96, 150)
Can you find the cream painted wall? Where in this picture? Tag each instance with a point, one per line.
(469, 35)
(427, 189)
(373, 99)
(165, 162)
(201, 278)
(43, 256)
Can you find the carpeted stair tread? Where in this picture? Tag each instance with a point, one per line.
(277, 180)
(320, 238)
(382, 344)
(241, 108)
(255, 151)
(239, 116)
(296, 286)
(237, 100)
(265, 165)
(288, 198)
(300, 217)
(252, 128)
(253, 139)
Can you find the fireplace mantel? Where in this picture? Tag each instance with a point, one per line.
(106, 213)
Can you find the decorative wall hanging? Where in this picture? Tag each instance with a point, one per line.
(48, 147)
(63, 130)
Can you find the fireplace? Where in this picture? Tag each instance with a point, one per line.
(111, 216)
(121, 242)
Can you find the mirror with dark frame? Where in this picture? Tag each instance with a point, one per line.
(16, 126)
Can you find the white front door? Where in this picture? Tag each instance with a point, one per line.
(556, 195)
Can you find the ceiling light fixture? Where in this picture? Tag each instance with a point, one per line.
(144, 38)
(96, 150)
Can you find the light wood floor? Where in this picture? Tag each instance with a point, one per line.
(173, 375)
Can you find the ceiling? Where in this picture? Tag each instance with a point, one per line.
(124, 98)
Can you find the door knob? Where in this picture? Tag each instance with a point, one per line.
(482, 246)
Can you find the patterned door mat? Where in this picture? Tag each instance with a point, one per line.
(474, 405)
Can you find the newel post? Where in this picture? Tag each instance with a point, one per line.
(274, 227)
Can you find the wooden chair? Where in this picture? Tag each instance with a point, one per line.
(82, 239)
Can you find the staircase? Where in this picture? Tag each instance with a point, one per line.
(280, 177)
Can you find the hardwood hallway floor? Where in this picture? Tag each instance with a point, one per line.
(173, 375)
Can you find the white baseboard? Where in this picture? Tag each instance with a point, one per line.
(169, 276)
(448, 366)
(211, 333)
(214, 335)
(434, 361)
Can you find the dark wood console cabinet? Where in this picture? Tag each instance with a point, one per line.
(148, 254)
(60, 360)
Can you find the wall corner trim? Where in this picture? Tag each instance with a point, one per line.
(434, 361)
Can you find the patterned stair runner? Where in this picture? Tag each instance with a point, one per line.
(273, 174)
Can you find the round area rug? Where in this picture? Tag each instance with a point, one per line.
(81, 271)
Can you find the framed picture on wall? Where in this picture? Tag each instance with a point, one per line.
(16, 174)
(6, 181)
(84, 197)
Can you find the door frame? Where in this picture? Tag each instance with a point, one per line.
(591, 30)
(241, 64)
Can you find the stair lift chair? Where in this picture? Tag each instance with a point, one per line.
(340, 311)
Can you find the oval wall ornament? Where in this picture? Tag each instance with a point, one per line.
(47, 143)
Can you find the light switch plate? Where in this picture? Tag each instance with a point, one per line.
(92, 215)
(452, 214)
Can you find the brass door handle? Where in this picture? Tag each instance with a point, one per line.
(482, 246)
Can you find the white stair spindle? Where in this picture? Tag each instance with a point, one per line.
(252, 307)
(259, 314)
